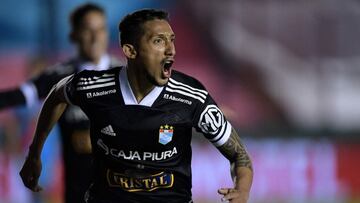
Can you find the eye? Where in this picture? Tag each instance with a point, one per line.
(158, 41)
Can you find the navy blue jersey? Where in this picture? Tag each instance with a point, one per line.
(142, 150)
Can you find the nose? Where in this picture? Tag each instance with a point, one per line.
(170, 49)
(96, 35)
(93, 37)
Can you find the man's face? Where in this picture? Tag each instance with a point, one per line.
(92, 36)
(156, 51)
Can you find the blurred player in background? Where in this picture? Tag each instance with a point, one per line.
(90, 36)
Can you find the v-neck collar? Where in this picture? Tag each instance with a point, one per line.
(128, 95)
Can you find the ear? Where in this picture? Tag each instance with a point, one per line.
(129, 51)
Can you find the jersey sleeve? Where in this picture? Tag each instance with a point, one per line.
(70, 91)
(210, 121)
(45, 81)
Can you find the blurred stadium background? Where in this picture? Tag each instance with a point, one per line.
(286, 73)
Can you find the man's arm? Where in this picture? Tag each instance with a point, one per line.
(241, 169)
(10, 98)
(51, 111)
(34, 89)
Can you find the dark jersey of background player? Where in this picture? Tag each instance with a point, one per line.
(74, 128)
(142, 150)
(89, 34)
(141, 120)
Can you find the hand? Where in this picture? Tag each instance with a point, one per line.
(30, 173)
(233, 195)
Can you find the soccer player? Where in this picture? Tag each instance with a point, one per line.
(142, 116)
(89, 34)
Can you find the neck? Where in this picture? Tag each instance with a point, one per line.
(94, 60)
(140, 85)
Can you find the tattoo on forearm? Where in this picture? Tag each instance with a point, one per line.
(235, 151)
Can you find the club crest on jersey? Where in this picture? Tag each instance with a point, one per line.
(165, 134)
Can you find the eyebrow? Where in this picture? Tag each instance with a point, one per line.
(164, 35)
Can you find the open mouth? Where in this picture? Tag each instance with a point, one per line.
(167, 68)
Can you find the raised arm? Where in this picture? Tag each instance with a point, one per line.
(241, 169)
(34, 89)
(51, 111)
(10, 98)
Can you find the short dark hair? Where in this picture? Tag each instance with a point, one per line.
(78, 14)
(131, 26)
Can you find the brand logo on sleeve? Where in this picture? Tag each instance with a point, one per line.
(211, 120)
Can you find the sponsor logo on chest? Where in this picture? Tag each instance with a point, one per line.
(178, 99)
(101, 93)
(133, 184)
(136, 155)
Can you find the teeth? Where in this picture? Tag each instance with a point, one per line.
(168, 64)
